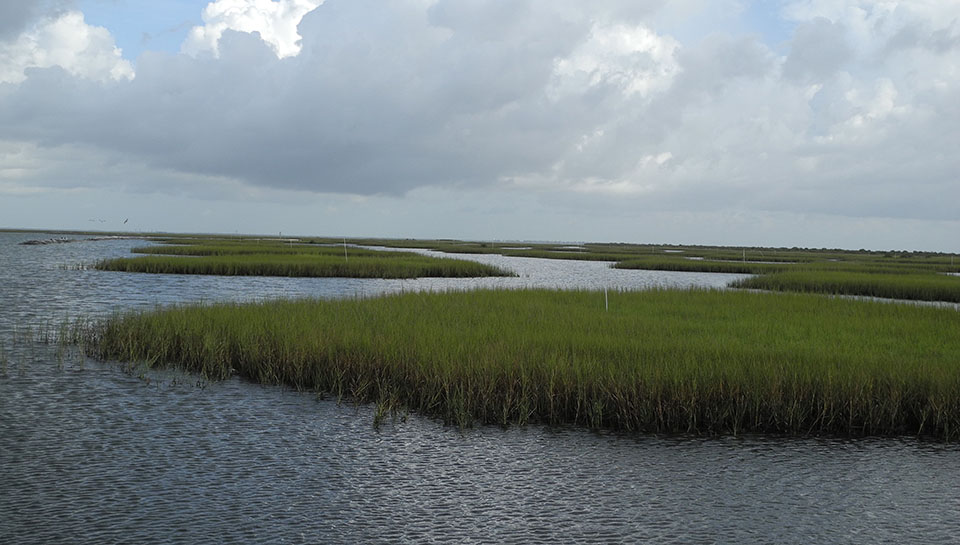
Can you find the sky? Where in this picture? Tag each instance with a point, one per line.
(790, 123)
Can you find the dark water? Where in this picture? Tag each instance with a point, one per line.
(90, 453)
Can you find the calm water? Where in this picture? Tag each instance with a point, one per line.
(91, 454)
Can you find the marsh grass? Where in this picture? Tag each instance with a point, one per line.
(674, 254)
(293, 260)
(670, 263)
(891, 274)
(918, 286)
(871, 276)
(900, 275)
(211, 248)
(658, 361)
(665, 263)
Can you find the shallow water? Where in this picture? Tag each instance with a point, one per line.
(91, 453)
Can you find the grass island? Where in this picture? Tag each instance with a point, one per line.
(664, 361)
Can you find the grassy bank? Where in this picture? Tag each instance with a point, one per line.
(658, 263)
(875, 276)
(920, 286)
(874, 266)
(256, 258)
(658, 361)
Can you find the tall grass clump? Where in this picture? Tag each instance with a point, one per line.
(657, 361)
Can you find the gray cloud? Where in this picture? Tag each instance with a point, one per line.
(14, 16)
(17, 15)
(385, 98)
(918, 35)
(819, 48)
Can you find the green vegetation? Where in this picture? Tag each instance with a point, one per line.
(922, 286)
(662, 263)
(259, 258)
(805, 269)
(901, 275)
(918, 278)
(657, 361)
(706, 256)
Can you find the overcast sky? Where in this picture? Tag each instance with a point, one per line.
(814, 123)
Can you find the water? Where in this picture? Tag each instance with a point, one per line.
(90, 453)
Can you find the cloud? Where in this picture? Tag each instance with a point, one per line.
(875, 29)
(632, 58)
(275, 21)
(64, 40)
(557, 100)
(818, 50)
(14, 17)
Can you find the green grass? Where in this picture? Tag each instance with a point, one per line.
(677, 254)
(901, 275)
(664, 263)
(831, 271)
(257, 258)
(675, 263)
(869, 276)
(919, 286)
(658, 361)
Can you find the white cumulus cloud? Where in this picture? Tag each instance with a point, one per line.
(630, 57)
(275, 20)
(67, 41)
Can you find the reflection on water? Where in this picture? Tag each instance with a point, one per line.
(91, 454)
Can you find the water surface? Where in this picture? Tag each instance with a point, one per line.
(91, 453)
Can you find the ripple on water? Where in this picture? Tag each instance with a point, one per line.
(101, 456)
(89, 454)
